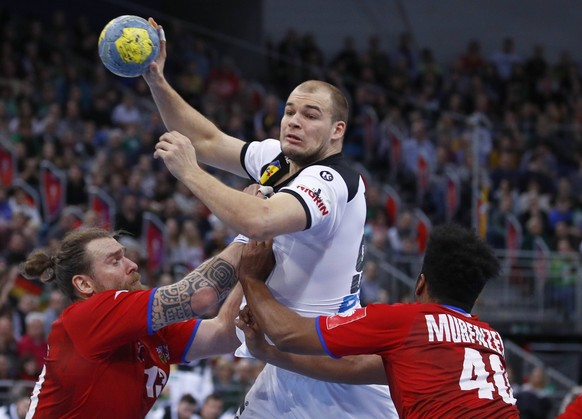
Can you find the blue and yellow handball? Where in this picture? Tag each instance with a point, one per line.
(127, 45)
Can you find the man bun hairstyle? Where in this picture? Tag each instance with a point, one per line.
(70, 259)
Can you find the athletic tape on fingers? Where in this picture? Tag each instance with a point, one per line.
(266, 190)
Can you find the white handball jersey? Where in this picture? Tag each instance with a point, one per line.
(318, 272)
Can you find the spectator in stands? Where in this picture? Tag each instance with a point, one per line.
(26, 303)
(7, 375)
(472, 61)
(76, 193)
(563, 276)
(57, 302)
(129, 216)
(19, 203)
(497, 221)
(185, 409)
(417, 145)
(533, 400)
(127, 112)
(561, 211)
(268, 116)
(5, 208)
(66, 222)
(19, 401)
(8, 347)
(369, 285)
(401, 230)
(191, 245)
(34, 341)
(224, 382)
(506, 59)
(212, 408)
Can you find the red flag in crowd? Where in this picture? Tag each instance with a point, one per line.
(153, 236)
(392, 205)
(513, 235)
(423, 229)
(422, 176)
(23, 286)
(30, 194)
(104, 207)
(7, 163)
(53, 187)
(395, 151)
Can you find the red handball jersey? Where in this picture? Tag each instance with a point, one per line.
(574, 409)
(440, 362)
(104, 360)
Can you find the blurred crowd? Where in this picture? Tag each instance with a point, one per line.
(510, 116)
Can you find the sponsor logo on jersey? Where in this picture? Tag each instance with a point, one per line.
(163, 353)
(315, 195)
(117, 294)
(271, 169)
(325, 175)
(332, 322)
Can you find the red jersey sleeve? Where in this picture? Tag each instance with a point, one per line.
(367, 330)
(179, 337)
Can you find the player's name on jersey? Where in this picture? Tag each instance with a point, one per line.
(449, 328)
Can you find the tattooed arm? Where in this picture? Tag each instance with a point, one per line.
(197, 292)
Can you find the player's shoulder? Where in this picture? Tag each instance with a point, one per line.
(336, 169)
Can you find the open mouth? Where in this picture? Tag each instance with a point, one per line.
(293, 139)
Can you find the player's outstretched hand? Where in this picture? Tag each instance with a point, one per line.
(178, 154)
(257, 261)
(254, 335)
(156, 68)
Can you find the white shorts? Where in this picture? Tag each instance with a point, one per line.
(278, 393)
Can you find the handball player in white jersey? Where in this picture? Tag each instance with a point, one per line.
(316, 217)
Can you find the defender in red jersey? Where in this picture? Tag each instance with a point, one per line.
(109, 353)
(439, 360)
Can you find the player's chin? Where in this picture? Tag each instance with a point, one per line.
(293, 151)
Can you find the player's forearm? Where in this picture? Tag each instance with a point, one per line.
(217, 336)
(289, 331)
(179, 116)
(242, 212)
(365, 369)
(197, 292)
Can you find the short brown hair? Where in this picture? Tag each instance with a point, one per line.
(339, 103)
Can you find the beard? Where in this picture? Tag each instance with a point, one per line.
(300, 157)
(135, 284)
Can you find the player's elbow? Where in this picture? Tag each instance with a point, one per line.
(259, 227)
(203, 300)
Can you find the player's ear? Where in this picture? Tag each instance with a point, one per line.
(338, 131)
(420, 285)
(83, 284)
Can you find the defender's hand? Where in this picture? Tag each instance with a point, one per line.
(257, 261)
